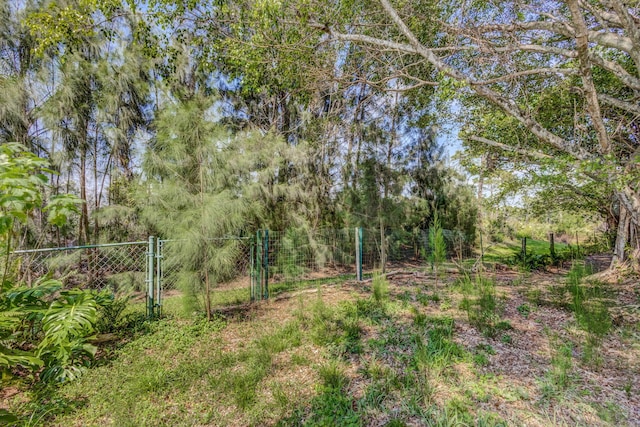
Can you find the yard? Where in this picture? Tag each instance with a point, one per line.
(506, 348)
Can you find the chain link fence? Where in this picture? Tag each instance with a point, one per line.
(119, 267)
(276, 257)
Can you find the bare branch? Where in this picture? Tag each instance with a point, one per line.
(618, 103)
(615, 68)
(508, 105)
(528, 153)
(513, 76)
(582, 44)
(612, 40)
(631, 27)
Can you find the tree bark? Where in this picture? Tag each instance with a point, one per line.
(621, 237)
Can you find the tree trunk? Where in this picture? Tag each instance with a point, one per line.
(621, 237)
(84, 213)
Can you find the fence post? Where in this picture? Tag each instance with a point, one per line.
(159, 256)
(252, 278)
(259, 263)
(359, 253)
(150, 278)
(552, 246)
(265, 265)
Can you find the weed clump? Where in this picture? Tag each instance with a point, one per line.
(592, 315)
(380, 287)
(482, 305)
(558, 378)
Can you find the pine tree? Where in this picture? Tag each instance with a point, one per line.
(437, 245)
(205, 188)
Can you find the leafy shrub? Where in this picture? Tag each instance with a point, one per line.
(530, 261)
(524, 310)
(558, 378)
(111, 311)
(62, 320)
(41, 328)
(291, 254)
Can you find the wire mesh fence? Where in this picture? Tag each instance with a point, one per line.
(268, 257)
(117, 266)
(170, 255)
(294, 256)
(404, 248)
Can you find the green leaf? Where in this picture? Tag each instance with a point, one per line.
(6, 417)
(61, 207)
(69, 318)
(10, 358)
(32, 296)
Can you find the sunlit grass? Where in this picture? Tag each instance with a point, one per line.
(506, 251)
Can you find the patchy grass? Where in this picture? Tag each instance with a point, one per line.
(480, 351)
(507, 251)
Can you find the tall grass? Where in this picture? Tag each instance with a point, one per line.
(482, 305)
(590, 309)
(380, 288)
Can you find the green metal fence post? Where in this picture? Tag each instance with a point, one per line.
(150, 278)
(251, 273)
(266, 264)
(159, 255)
(358, 243)
(259, 264)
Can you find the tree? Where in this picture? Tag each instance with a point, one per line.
(502, 53)
(79, 96)
(437, 246)
(207, 187)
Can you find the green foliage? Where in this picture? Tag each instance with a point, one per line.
(61, 207)
(40, 326)
(589, 306)
(206, 187)
(111, 313)
(21, 182)
(64, 320)
(67, 324)
(338, 328)
(482, 353)
(439, 350)
(558, 378)
(482, 305)
(67, 23)
(333, 406)
(291, 252)
(437, 246)
(380, 287)
(524, 310)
